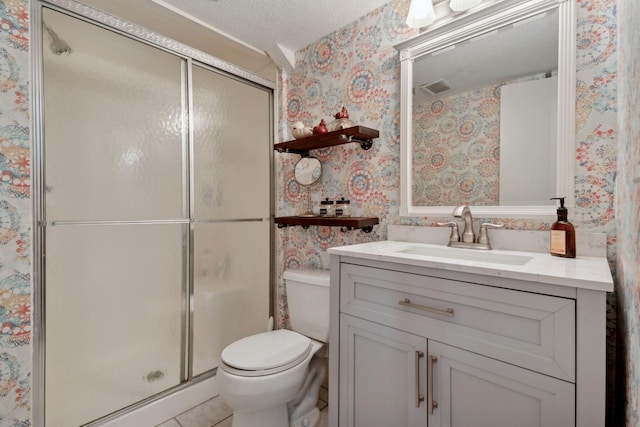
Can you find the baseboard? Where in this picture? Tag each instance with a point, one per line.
(167, 407)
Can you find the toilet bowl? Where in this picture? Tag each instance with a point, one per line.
(261, 373)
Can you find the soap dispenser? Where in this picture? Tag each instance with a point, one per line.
(563, 234)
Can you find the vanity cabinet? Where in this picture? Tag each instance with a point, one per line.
(386, 370)
(473, 390)
(383, 370)
(416, 345)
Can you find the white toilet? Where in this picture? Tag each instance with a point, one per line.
(261, 373)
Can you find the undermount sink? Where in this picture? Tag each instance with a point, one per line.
(463, 254)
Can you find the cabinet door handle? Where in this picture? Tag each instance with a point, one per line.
(431, 404)
(407, 303)
(419, 397)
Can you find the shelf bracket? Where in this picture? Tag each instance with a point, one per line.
(364, 143)
(366, 229)
(303, 153)
(304, 227)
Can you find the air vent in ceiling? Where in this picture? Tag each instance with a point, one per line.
(437, 87)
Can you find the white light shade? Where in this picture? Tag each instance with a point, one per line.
(460, 5)
(421, 13)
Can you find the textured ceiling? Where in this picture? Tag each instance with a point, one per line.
(277, 27)
(528, 48)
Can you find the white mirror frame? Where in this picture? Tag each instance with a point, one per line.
(447, 31)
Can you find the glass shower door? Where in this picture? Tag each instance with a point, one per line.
(231, 224)
(114, 318)
(116, 214)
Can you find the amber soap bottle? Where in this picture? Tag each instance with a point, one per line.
(563, 234)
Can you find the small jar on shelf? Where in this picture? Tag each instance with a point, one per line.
(343, 207)
(327, 208)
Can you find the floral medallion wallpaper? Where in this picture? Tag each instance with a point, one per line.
(628, 209)
(15, 216)
(455, 137)
(456, 148)
(357, 67)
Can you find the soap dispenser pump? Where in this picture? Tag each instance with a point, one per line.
(563, 234)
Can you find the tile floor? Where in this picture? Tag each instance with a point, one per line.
(215, 412)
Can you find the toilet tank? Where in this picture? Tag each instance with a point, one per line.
(308, 300)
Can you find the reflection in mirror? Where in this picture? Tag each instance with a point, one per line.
(487, 111)
(307, 172)
(484, 118)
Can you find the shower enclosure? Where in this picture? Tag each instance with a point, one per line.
(153, 207)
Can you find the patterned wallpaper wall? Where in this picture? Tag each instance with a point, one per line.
(628, 207)
(456, 149)
(358, 67)
(15, 216)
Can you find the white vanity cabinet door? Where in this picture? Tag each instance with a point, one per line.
(378, 377)
(476, 391)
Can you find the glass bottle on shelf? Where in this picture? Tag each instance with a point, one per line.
(343, 207)
(327, 208)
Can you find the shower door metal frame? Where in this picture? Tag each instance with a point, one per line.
(190, 57)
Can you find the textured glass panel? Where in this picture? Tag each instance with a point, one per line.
(231, 287)
(231, 144)
(114, 317)
(113, 125)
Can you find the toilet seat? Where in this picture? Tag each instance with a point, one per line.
(265, 353)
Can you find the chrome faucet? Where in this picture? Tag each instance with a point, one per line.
(468, 239)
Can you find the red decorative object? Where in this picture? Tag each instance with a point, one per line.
(342, 114)
(321, 128)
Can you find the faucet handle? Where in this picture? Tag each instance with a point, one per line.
(483, 235)
(455, 235)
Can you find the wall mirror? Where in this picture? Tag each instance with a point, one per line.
(487, 111)
(307, 172)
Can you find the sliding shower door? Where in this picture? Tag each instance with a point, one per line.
(156, 206)
(231, 207)
(114, 199)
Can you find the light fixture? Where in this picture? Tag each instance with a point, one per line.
(421, 13)
(460, 5)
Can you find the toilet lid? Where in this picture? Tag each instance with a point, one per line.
(267, 350)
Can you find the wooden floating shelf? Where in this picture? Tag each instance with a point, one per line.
(347, 223)
(301, 146)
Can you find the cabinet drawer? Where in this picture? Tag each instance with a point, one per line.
(530, 330)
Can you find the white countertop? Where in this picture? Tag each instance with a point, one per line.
(581, 272)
